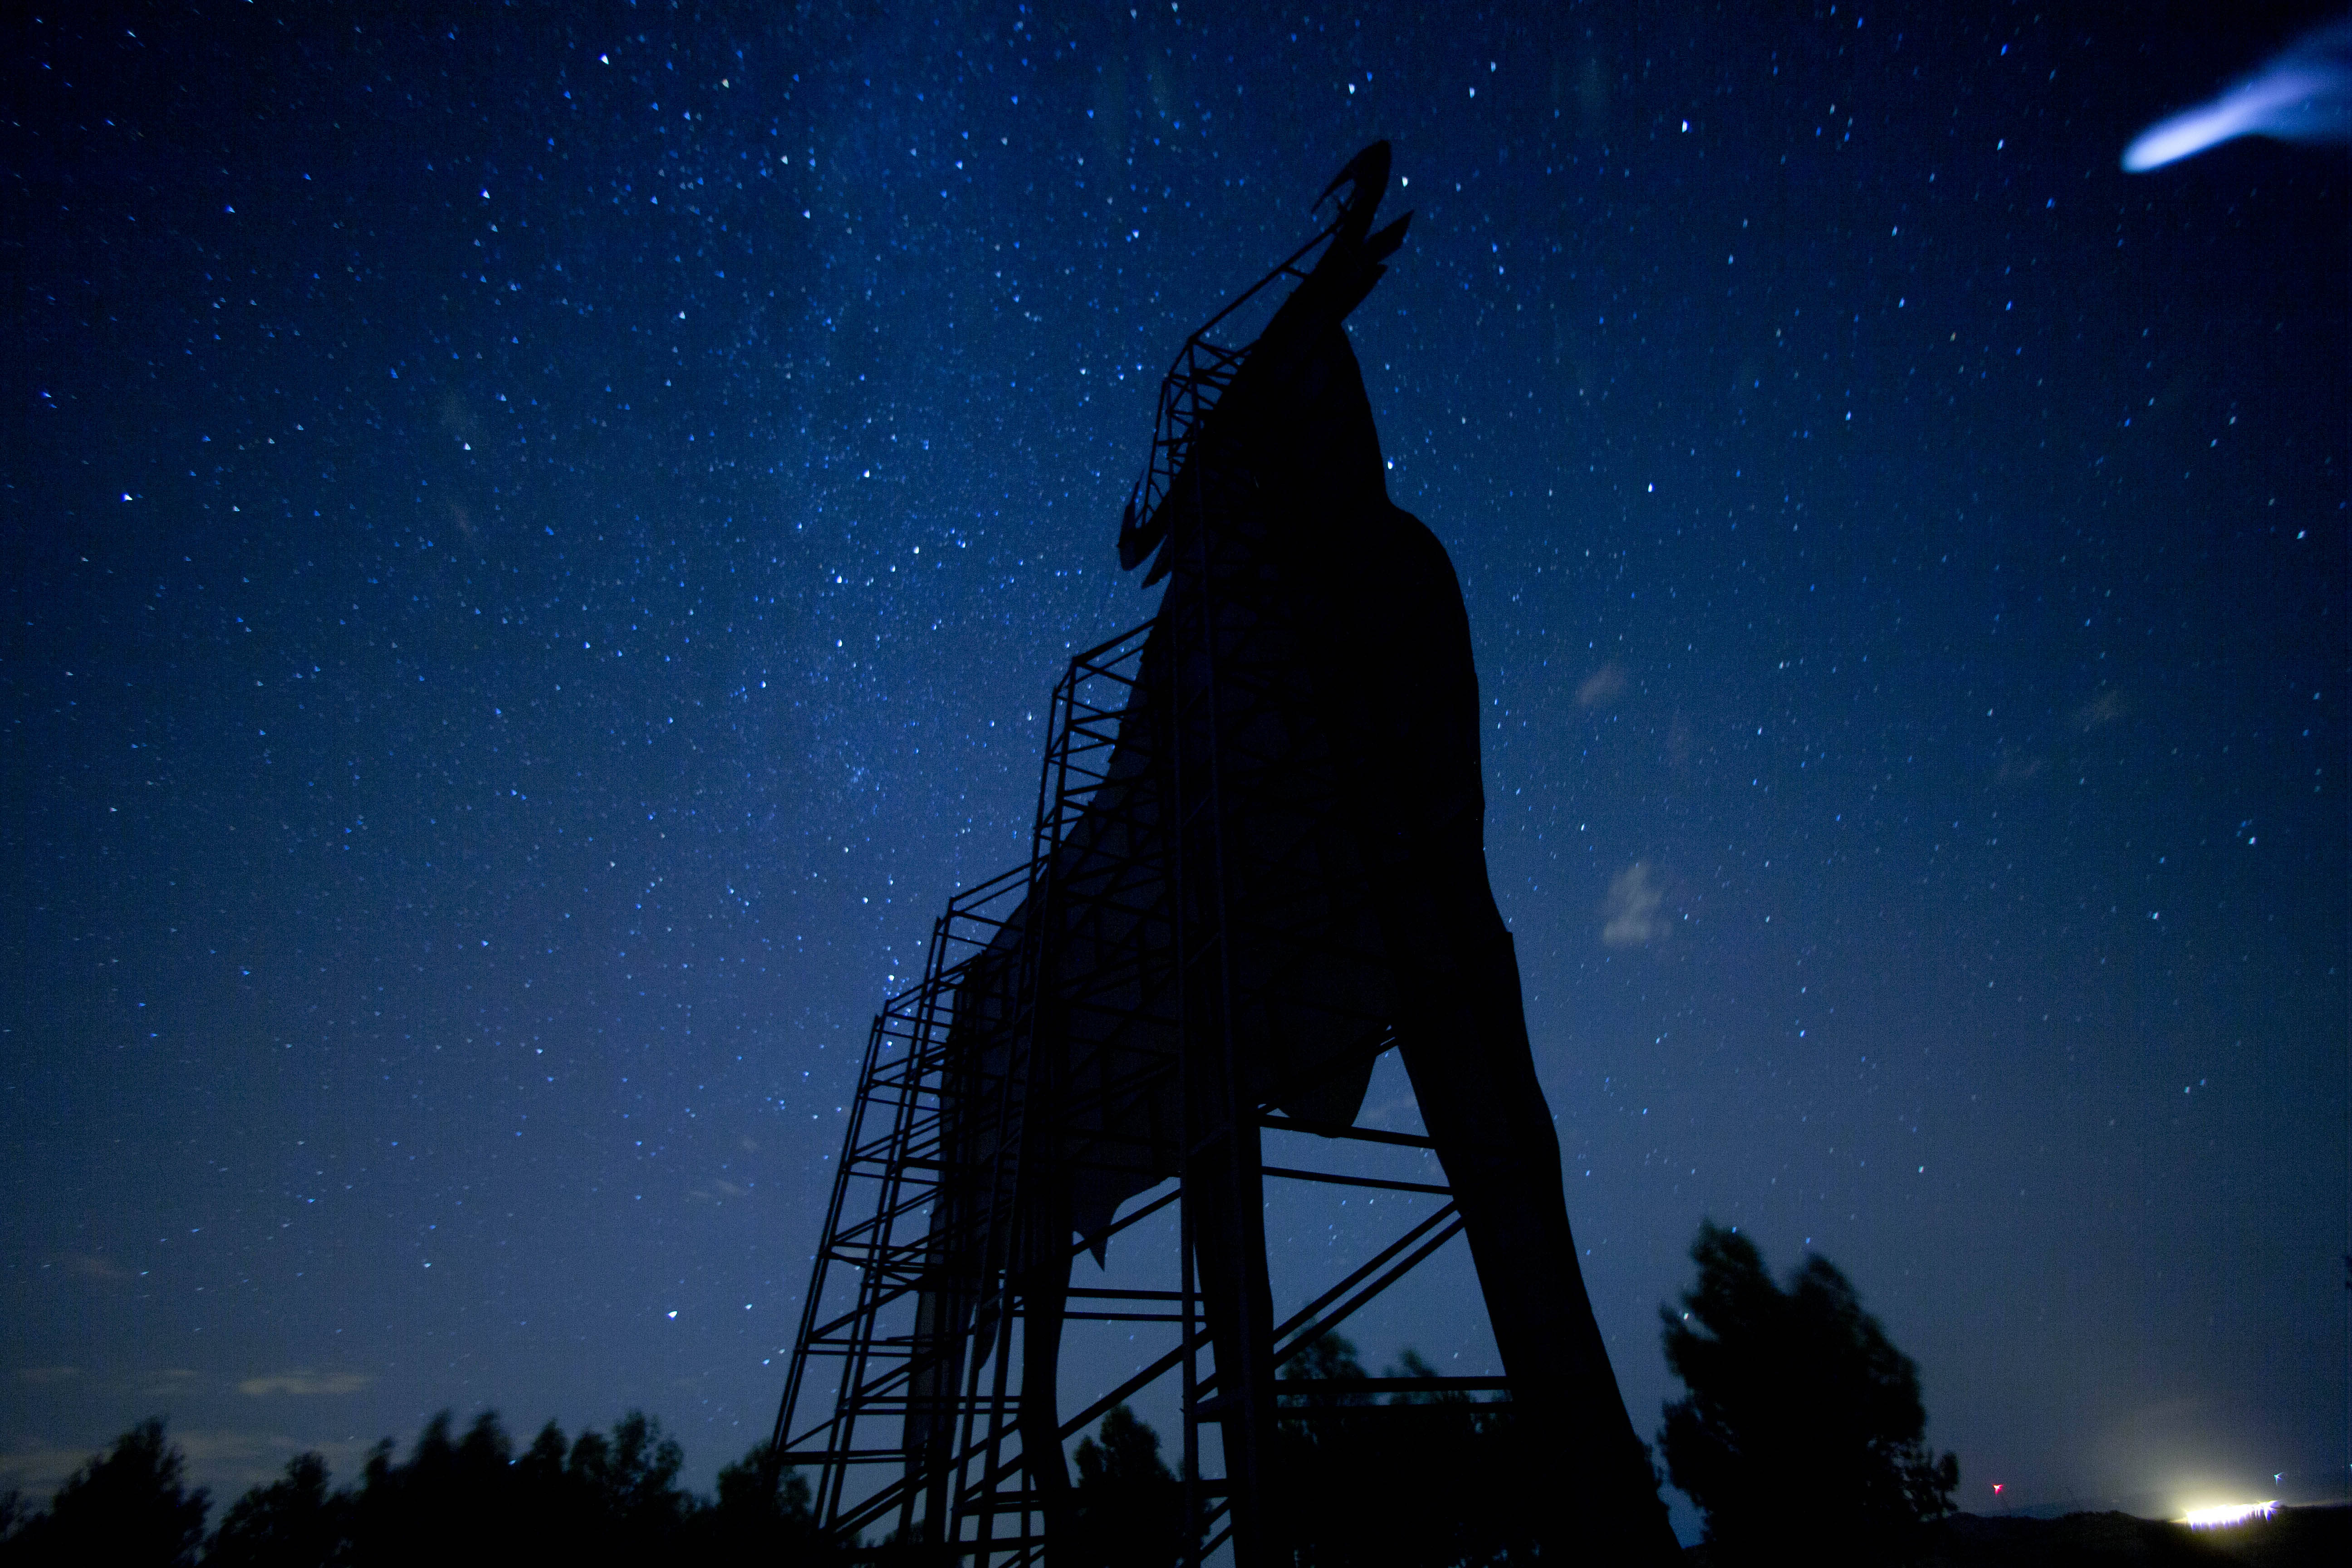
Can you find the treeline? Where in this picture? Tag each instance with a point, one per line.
(1802, 1423)
(457, 1498)
(462, 1498)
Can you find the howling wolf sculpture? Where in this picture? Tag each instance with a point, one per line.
(1282, 874)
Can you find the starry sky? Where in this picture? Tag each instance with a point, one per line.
(537, 540)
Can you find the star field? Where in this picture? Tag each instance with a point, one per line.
(538, 543)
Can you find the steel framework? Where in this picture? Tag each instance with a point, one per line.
(880, 1249)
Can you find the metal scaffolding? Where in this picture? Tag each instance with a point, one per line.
(917, 1091)
(880, 1251)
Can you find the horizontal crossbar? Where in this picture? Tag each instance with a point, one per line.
(1332, 1391)
(1340, 1130)
(1382, 1182)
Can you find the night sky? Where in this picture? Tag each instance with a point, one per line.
(536, 545)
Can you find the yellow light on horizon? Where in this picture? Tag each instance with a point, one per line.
(2223, 1515)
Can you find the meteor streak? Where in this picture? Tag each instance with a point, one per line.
(2304, 94)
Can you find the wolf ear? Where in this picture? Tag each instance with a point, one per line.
(1135, 544)
(1367, 171)
(1383, 245)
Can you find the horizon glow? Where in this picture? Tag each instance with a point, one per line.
(2223, 1515)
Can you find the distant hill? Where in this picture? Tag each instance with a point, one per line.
(2291, 1538)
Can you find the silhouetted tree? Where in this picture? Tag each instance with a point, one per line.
(454, 1501)
(1329, 1359)
(544, 1492)
(631, 1482)
(1435, 1479)
(126, 1507)
(603, 1499)
(291, 1522)
(453, 1496)
(1803, 1423)
(761, 1516)
(1128, 1505)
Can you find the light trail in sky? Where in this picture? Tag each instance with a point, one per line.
(2304, 94)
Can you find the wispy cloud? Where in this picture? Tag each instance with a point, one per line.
(2106, 706)
(1603, 685)
(41, 1377)
(229, 1461)
(223, 1459)
(170, 1381)
(305, 1383)
(2016, 766)
(37, 1469)
(1633, 916)
(89, 1266)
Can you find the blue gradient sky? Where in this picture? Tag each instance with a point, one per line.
(536, 543)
